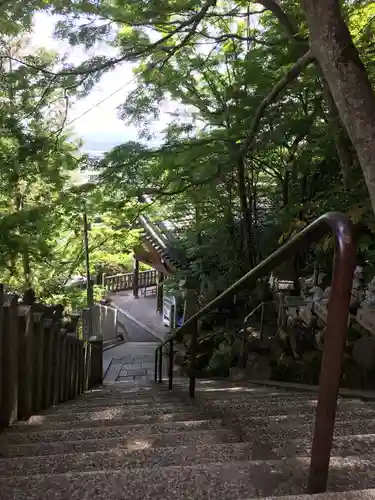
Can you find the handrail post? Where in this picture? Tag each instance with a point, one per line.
(156, 365)
(170, 367)
(330, 372)
(193, 359)
(261, 322)
(244, 344)
(160, 365)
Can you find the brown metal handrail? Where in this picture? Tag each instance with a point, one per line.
(246, 324)
(340, 227)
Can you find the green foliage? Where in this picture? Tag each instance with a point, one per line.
(241, 166)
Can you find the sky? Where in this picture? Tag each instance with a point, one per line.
(100, 128)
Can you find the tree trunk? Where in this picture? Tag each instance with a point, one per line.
(246, 218)
(333, 47)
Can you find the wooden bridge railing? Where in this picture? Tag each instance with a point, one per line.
(40, 364)
(120, 282)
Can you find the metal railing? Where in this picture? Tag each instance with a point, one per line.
(125, 281)
(245, 326)
(330, 374)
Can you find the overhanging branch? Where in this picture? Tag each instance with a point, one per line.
(290, 76)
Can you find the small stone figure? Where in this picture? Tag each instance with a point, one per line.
(366, 312)
(370, 294)
(357, 293)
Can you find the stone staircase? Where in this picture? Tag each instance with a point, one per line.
(131, 441)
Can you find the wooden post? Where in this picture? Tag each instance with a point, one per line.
(38, 357)
(159, 292)
(71, 368)
(25, 362)
(75, 368)
(136, 278)
(96, 373)
(58, 346)
(47, 364)
(87, 366)
(63, 362)
(1, 339)
(83, 367)
(9, 407)
(68, 365)
(79, 367)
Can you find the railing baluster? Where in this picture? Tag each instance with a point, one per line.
(160, 365)
(193, 359)
(156, 365)
(261, 321)
(170, 367)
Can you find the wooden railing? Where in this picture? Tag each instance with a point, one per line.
(334, 340)
(120, 282)
(40, 363)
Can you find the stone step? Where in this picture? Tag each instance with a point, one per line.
(133, 441)
(342, 495)
(119, 416)
(117, 458)
(39, 423)
(283, 405)
(108, 412)
(200, 482)
(264, 448)
(105, 403)
(120, 458)
(294, 430)
(107, 432)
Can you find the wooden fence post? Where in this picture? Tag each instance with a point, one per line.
(1, 341)
(38, 358)
(68, 373)
(75, 368)
(25, 361)
(87, 378)
(9, 407)
(63, 367)
(96, 372)
(47, 364)
(57, 354)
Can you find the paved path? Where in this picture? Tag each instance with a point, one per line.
(142, 311)
(134, 332)
(132, 362)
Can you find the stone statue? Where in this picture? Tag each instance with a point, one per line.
(358, 292)
(370, 294)
(366, 312)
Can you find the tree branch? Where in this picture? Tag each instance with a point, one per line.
(291, 75)
(276, 9)
(234, 36)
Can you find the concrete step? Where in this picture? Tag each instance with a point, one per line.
(39, 423)
(201, 482)
(120, 458)
(291, 430)
(107, 413)
(117, 458)
(346, 495)
(265, 447)
(108, 431)
(112, 401)
(132, 441)
(116, 417)
(283, 405)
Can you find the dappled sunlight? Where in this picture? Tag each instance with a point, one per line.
(138, 444)
(37, 420)
(226, 389)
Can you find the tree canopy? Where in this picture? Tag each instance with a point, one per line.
(273, 124)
